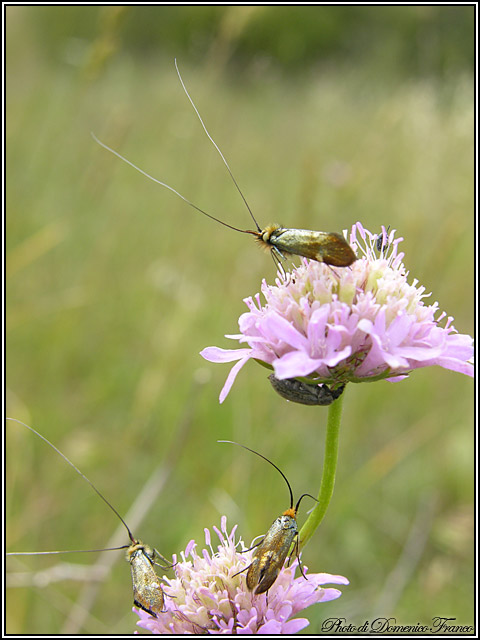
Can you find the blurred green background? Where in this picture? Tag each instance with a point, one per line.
(327, 115)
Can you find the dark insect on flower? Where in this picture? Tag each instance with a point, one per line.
(329, 247)
(382, 240)
(147, 589)
(271, 552)
(303, 393)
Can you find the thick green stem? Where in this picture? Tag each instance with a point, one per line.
(329, 470)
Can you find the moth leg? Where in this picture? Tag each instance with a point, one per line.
(244, 551)
(295, 550)
(243, 570)
(157, 554)
(277, 257)
(253, 547)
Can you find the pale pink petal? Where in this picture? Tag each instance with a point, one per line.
(294, 364)
(272, 627)
(216, 354)
(232, 375)
(294, 626)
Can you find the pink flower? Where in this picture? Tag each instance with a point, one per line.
(347, 325)
(207, 597)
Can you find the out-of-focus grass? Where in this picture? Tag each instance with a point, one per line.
(114, 285)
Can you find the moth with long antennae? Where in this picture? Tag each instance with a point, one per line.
(147, 590)
(330, 248)
(271, 552)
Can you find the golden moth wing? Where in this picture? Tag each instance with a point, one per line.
(263, 572)
(331, 248)
(147, 589)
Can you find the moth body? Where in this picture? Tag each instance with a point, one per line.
(270, 554)
(269, 557)
(147, 589)
(331, 247)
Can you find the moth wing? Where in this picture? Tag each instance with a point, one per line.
(147, 590)
(331, 248)
(268, 571)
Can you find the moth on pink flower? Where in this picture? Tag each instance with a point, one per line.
(208, 595)
(329, 327)
(147, 590)
(270, 553)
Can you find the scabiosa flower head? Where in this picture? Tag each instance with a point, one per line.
(207, 597)
(354, 324)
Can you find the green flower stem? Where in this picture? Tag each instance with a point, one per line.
(329, 470)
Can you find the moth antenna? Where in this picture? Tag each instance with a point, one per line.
(300, 499)
(216, 147)
(163, 184)
(273, 465)
(130, 535)
(51, 553)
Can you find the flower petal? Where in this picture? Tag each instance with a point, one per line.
(216, 354)
(295, 625)
(294, 364)
(232, 375)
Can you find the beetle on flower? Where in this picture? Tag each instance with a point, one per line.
(358, 324)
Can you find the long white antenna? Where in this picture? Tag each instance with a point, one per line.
(216, 146)
(163, 184)
(130, 535)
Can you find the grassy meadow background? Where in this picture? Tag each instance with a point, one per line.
(114, 285)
